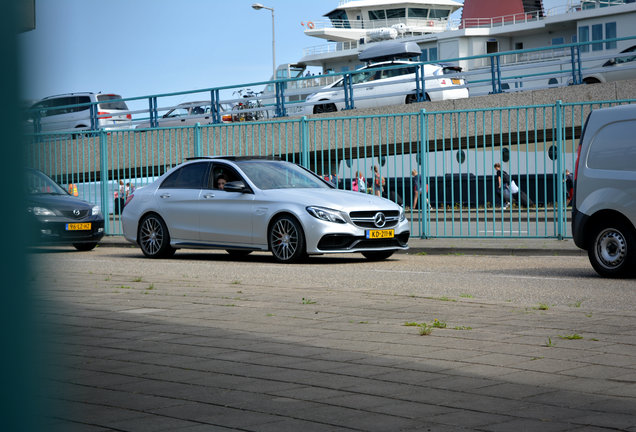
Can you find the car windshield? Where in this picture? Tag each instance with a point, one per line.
(280, 175)
(39, 183)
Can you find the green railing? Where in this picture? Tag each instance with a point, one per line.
(453, 152)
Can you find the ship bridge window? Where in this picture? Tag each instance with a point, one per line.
(439, 13)
(377, 14)
(418, 13)
(584, 36)
(610, 33)
(339, 19)
(597, 34)
(395, 13)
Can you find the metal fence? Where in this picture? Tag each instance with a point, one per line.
(447, 155)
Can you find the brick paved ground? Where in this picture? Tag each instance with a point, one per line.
(203, 343)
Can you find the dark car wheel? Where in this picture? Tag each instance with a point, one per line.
(611, 252)
(325, 108)
(377, 255)
(412, 98)
(286, 240)
(153, 237)
(85, 246)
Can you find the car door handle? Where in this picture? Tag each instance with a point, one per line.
(167, 195)
(208, 196)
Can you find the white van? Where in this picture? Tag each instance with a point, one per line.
(604, 203)
(73, 111)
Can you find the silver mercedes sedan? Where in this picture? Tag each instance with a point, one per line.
(245, 204)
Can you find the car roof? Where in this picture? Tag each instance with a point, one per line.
(235, 158)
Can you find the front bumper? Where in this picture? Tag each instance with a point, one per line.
(54, 232)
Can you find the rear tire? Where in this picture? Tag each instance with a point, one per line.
(378, 255)
(286, 240)
(591, 81)
(153, 237)
(612, 251)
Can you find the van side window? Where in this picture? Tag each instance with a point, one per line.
(613, 147)
(82, 100)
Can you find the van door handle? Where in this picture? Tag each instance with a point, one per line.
(164, 196)
(208, 196)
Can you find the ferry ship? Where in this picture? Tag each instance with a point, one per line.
(485, 27)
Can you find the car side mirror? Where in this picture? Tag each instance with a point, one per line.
(235, 186)
(610, 62)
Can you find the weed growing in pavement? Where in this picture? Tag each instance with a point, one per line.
(236, 282)
(444, 298)
(410, 324)
(462, 328)
(438, 324)
(422, 253)
(108, 278)
(308, 301)
(542, 306)
(549, 342)
(137, 279)
(425, 329)
(571, 337)
(466, 295)
(123, 287)
(577, 304)
(151, 287)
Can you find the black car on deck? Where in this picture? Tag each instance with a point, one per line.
(58, 218)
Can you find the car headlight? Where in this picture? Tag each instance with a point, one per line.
(96, 210)
(326, 214)
(41, 211)
(402, 214)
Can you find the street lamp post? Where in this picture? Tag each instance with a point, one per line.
(258, 6)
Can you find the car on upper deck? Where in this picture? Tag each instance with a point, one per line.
(188, 114)
(72, 111)
(393, 85)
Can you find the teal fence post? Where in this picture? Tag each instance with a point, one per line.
(559, 175)
(304, 147)
(423, 199)
(197, 140)
(103, 179)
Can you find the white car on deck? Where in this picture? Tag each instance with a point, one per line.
(395, 85)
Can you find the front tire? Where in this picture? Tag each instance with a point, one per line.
(378, 255)
(153, 237)
(612, 251)
(85, 246)
(325, 108)
(286, 240)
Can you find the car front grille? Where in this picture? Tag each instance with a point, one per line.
(69, 214)
(365, 219)
(344, 242)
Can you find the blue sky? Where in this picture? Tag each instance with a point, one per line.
(142, 47)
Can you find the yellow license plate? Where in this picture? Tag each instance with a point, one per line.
(456, 81)
(380, 234)
(78, 226)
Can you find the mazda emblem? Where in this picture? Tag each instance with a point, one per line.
(76, 212)
(379, 219)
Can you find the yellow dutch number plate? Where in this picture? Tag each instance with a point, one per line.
(78, 226)
(456, 81)
(379, 234)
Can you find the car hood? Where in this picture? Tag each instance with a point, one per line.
(335, 199)
(60, 202)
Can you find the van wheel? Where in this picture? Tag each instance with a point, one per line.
(412, 98)
(590, 81)
(325, 108)
(611, 252)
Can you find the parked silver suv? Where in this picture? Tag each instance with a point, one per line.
(604, 204)
(73, 111)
